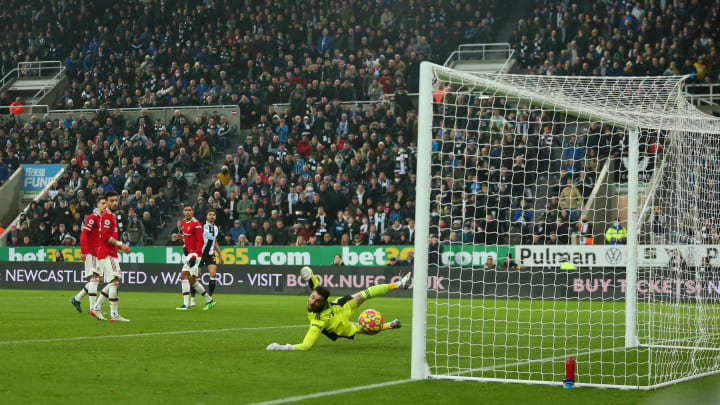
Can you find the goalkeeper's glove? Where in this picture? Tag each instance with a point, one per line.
(306, 273)
(191, 261)
(185, 251)
(279, 347)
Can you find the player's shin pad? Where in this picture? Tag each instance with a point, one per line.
(92, 292)
(113, 295)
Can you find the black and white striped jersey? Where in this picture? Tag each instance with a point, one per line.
(210, 235)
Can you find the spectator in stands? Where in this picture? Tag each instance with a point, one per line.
(150, 225)
(409, 259)
(586, 183)
(68, 240)
(337, 261)
(616, 234)
(658, 226)
(509, 263)
(571, 199)
(175, 75)
(523, 218)
(585, 231)
(42, 237)
(200, 209)
(24, 230)
(4, 171)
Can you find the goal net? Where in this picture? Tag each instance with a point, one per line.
(565, 217)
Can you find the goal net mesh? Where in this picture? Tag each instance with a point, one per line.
(530, 184)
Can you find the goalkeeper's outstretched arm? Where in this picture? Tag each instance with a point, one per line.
(311, 337)
(315, 330)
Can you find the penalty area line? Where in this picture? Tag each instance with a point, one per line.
(328, 393)
(178, 332)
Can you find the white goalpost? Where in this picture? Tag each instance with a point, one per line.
(565, 217)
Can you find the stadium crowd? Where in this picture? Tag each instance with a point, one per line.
(316, 171)
(144, 160)
(621, 38)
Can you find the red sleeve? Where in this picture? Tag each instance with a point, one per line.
(85, 235)
(198, 232)
(106, 228)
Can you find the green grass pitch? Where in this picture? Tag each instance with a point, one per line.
(52, 354)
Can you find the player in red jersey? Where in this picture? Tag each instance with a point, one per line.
(192, 235)
(89, 242)
(108, 260)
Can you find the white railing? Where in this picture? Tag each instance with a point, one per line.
(40, 195)
(280, 107)
(231, 112)
(703, 93)
(27, 109)
(474, 52)
(40, 68)
(9, 76)
(51, 68)
(150, 109)
(53, 81)
(34, 69)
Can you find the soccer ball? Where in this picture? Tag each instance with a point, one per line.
(370, 322)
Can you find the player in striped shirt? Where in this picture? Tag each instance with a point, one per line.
(192, 236)
(89, 243)
(210, 247)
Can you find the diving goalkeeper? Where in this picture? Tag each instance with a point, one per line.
(332, 318)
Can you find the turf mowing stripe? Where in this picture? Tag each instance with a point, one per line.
(326, 393)
(179, 332)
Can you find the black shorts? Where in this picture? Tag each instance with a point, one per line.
(207, 260)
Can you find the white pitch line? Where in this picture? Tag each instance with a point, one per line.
(327, 393)
(179, 332)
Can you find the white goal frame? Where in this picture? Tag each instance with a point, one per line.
(419, 366)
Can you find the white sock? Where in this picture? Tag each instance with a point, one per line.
(186, 292)
(199, 288)
(103, 297)
(82, 292)
(92, 286)
(113, 299)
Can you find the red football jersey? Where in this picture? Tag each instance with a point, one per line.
(193, 236)
(90, 235)
(108, 229)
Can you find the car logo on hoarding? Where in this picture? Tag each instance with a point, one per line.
(613, 255)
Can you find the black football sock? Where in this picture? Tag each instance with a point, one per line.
(211, 286)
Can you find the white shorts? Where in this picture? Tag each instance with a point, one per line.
(110, 268)
(194, 270)
(92, 266)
